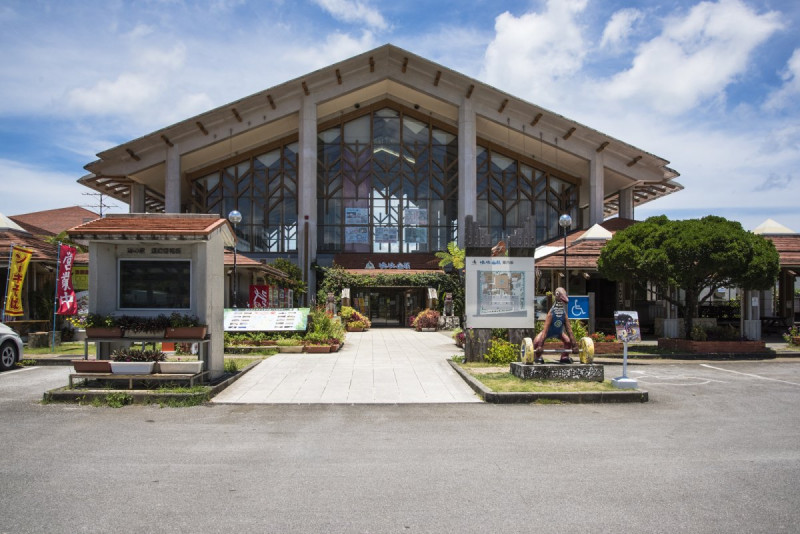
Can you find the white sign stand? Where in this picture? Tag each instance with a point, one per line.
(623, 382)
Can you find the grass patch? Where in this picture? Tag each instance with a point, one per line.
(234, 364)
(69, 348)
(506, 383)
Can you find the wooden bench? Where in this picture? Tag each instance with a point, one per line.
(159, 377)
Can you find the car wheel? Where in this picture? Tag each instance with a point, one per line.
(8, 356)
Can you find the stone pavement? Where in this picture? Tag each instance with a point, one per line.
(379, 366)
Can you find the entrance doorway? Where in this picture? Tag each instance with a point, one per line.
(389, 306)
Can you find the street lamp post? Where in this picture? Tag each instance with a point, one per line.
(235, 218)
(565, 221)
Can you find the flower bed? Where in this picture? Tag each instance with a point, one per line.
(711, 347)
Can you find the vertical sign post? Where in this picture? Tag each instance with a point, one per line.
(627, 326)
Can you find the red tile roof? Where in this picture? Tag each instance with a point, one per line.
(788, 246)
(149, 226)
(53, 222)
(250, 263)
(583, 254)
(42, 250)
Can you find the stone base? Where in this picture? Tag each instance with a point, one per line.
(556, 371)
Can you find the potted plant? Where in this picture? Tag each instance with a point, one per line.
(92, 366)
(183, 326)
(188, 367)
(289, 344)
(98, 326)
(129, 361)
(355, 326)
(144, 326)
(427, 320)
(317, 342)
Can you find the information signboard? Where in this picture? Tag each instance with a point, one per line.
(500, 292)
(265, 320)
(627, 325)
(578, 307)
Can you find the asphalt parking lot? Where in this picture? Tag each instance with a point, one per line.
(715, 450)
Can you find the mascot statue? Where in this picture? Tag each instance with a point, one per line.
(556, 325)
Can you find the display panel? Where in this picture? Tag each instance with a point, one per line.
(155, 284)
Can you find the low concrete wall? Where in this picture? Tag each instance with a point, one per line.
(712, 347)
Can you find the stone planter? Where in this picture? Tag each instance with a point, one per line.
(290, 348)
(132, 368)
(103, 331)
(187, 332)
(186, 368)
(712, 347)
(92, 366)
(317, 349)
(352, 329)
(426, 330)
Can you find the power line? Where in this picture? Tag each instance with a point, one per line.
(100, 204)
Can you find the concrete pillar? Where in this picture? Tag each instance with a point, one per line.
(307, 193)
(596, 189)
(137, 199)
(467, 166)
(626, 203)
(172, 181)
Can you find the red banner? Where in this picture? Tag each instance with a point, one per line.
(259, 297)
(67, 305)
(16, 276)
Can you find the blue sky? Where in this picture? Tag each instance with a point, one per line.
(713, 86)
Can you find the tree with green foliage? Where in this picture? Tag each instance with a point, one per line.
(293, 272)
(693, 255)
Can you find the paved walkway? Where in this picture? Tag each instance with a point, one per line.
(380, 366)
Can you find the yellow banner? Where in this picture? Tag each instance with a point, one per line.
(19, 266)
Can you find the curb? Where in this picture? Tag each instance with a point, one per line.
(523, 397)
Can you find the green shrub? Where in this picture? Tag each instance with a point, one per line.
(501, 351)
(578, 330)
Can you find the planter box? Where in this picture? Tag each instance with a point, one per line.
(712, 347)
(187, 332)
(351, 329)
(103, 331)
(427, 330)
(795, 340)
(290, 348)
(185, 368)
(156, 334)
(613, 347)
(92, 366)
(132, 368)
(318, 349)
(335, 348)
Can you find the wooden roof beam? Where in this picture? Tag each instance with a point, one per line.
(602, 147)
(569, 133)
(634, 161)
(305, 88)
(202, 128)
(470, 89)
(536, 119)
(502, 106)
(271, 102)
(437, 78)
(338, 77)
(236, 114)
(167, 141)
(132, 154)
(405, 65)
(371, 64)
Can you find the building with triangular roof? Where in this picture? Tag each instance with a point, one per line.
(383, 154)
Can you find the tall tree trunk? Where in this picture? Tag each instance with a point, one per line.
(690, 310)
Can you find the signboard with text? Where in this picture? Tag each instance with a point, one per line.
(500, 292)
(265, 320)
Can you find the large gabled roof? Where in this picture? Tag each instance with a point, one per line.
(53, 222)
(381, 73)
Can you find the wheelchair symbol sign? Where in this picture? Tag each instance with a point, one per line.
(578, 307)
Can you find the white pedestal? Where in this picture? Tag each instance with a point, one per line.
(623, 382)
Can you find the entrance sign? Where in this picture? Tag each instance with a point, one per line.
(500, 292)
(18, 266)
(65, 293)
(264, 320)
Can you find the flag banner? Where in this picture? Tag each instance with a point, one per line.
(259, 296)
(20, 257)
(65, 299)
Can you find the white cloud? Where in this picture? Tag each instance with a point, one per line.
(790, 89)
(27, 188)
(619, 28)
(695, 57)
(354, 11)
(530, 54)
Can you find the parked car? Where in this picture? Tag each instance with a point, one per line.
(10, 348)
